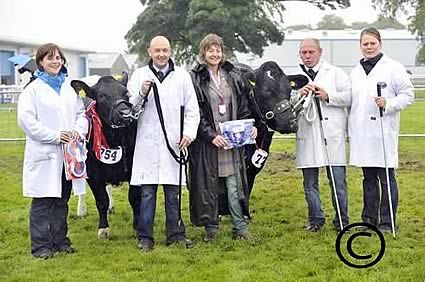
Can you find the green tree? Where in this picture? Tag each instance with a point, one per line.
(245, 25)
(300, 27)
(358, 25)
(387, 22)
(331, 22)
(415, 10)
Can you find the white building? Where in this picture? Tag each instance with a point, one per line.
(340, 48)
(12, 45)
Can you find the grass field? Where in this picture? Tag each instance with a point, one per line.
(280, 251)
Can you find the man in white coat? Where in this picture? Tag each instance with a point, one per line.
(332, 86)
(153, 163)
(366, 150)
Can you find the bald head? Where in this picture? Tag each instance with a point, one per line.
(160, 51)
(310, 52)
(159, 40)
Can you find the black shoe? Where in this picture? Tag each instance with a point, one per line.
(313, 227)
(210, 236)
(187, 243)
(145, 245)
(243, 236)
(44, 254)
(66, 249)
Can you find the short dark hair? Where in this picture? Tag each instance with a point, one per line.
(373, 31)
(47, 50)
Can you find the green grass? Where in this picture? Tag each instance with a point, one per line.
(281, 249)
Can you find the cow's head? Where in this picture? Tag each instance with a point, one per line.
(272, 93)
(111, 97)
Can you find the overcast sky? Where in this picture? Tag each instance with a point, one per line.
(100, 25)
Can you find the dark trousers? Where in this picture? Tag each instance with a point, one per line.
(376, 207)
(175, 230)
(48, 221)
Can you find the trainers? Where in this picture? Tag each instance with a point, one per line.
(145, 245)
(44, 254)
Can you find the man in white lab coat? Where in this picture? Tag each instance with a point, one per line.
(153, 163)
(331, 86)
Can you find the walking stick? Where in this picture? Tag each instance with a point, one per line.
(319, 110)
(379, 87)
(181, 163)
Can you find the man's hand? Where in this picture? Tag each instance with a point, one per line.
(145, 87)
(185, 142)
(220, 142)
(321, 93)
(307, 89)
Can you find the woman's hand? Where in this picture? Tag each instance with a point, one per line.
(220, 142)
(254, 133)
(67, 136)
(380, 102)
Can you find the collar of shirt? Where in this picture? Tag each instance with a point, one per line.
(217, 82)
(164, 69)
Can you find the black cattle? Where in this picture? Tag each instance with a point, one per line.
(269, 92)
(110, 102)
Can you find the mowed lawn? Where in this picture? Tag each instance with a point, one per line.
(280, 251)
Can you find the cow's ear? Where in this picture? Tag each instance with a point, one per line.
(297, 81)
(81, 88)
(124, 78)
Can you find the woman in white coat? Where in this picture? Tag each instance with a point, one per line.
(50, 113)
(366, 150)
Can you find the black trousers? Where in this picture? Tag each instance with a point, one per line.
(48, 221)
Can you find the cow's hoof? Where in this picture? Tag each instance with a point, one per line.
(103, 233)
(111, 210)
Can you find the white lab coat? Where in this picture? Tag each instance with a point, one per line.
(310, 151)
(43, 114)
(366, 148)
(152, 162)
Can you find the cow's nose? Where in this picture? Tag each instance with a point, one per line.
(293, 125)
(125, 112)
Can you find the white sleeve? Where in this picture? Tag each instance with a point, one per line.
(134, 86)
(192, 115)
(81, 123)
(342, 96)
(27, 119)
(404, 91)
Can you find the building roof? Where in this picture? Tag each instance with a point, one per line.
(37, 42)
(131, 59)
(346, 34)
(102, 60)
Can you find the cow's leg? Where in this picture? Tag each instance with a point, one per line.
(102, 204)
(134, 198)
(111, 208)
(81, 205)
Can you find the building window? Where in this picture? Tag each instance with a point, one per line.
(7, 70)
(82, 67)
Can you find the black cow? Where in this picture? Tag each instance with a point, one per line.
(113, 165)
(269, 94)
